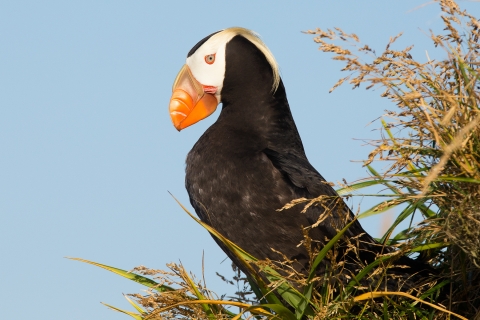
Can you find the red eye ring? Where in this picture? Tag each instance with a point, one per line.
(210, 58)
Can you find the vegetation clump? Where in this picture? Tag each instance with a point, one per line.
(430, 146)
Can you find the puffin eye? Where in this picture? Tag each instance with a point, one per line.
(210, 58)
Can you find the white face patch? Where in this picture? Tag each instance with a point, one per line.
(210, 74)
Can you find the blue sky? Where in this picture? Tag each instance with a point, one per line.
(88, 151)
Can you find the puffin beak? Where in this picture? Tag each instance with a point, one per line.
(189, 102)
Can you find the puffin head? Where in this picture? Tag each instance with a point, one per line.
(226, 59)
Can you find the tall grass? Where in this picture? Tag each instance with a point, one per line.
(429, 149)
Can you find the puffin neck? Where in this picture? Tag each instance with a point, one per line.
(248, 75)
(268, 117)
(250, 108)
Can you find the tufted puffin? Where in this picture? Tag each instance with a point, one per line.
(251, 161)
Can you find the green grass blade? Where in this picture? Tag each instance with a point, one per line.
(434, 289)
(131, 314)
(402, 235)
(321, 255)
(256, 290)
(280, 311)
(302, 306)
(356, 278)
(384, 206)
(458, 179)
(136, 306)
(129, 275)
(385, 183)
(439, 178)
(427, 212)
(199, 296)
(360, 185)
(307, 293)
(429, 246)
(402, 216)
(411, 173)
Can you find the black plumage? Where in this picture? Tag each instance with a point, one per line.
(251, 162)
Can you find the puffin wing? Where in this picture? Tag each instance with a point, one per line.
(298, 170)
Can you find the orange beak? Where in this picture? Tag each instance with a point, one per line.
(189, 102)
